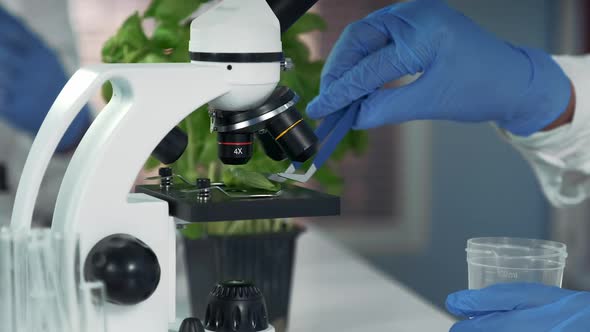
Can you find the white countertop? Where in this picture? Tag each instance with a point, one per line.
(336, 290)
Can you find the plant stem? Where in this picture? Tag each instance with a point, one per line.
(212, 172)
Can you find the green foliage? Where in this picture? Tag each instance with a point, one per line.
(169, 43)
(129, 44)
(172, 11)
(240, 178)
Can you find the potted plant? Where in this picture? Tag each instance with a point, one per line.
(261, 251)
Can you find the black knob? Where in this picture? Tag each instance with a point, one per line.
(171, 147)
(236, 306)
(165, 172)
(128, 268)
(203, 183)
(191, 325)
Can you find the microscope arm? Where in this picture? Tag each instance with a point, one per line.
(94, 200)
(70, 101)
(153, 81)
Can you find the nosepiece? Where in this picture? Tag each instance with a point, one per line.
(277, 123)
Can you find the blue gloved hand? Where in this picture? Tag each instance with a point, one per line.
(468, 74)
(520, 307)
(31, 77)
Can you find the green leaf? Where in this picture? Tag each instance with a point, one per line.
(237, 177)
(167, 36)
(128, 44)
(295, 49)
(180, 52)
(359, 142)
(107, 92)
(111, 51)
(194, 231)
(307, 23)
(260, 162)
(153, 58)
(132, 33)
(172, 10)
(151, 10)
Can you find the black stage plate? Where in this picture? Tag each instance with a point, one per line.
(293, 202)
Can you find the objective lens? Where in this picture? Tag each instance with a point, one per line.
(277, 124)
(235, 148)
(293, 135)
(272, 149)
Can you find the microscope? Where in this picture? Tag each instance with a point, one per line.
(237, 59)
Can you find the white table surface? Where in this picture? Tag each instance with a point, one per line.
(336, 290)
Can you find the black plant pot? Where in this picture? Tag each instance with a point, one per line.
(267, 260)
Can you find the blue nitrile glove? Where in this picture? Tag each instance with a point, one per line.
(469, 75)
(31, 77)
(521, 307)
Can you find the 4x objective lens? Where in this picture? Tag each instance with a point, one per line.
(235, 148)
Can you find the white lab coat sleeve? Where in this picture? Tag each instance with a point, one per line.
(561, 158)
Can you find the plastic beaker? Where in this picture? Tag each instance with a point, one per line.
(34, 293)
(493, 260)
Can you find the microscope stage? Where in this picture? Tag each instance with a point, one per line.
(293, 202)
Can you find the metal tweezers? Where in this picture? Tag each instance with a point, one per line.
(330, 132)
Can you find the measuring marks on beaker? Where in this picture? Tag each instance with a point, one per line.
(504, 274)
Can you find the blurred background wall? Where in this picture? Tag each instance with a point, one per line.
(411, 206)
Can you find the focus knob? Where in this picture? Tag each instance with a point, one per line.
(191, 324)
(128, 268)
(236, 306)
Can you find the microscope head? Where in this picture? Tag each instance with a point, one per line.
(243, 39)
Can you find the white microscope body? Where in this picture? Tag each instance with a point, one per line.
(148, 101)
